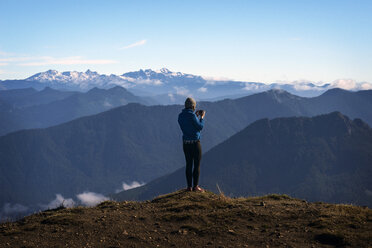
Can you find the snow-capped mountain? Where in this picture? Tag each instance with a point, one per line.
(170, 87)
(162, 74)
(80, 80)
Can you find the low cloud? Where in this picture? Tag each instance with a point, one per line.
(9, 209)
(307, 85)
(135, 44)
(171, 97)
(181, 91)
(91, 199)
(147, 81)
(59, 201)
(211, 80)
(128, 186)
(12, 211)
(203, 89)
(255, 87)
(106, 103)
(132, 185)
(350, 84)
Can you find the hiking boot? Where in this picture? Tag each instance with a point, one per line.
(188, 189)
(198, 189)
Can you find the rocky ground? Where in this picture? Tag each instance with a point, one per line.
(191, 219)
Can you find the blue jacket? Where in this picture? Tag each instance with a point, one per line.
(190, 124)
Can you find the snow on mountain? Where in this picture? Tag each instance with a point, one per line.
(77, 80)
(71, 77)
(163, 74)
(177, 85)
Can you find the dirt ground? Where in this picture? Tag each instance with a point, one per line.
(193, 219)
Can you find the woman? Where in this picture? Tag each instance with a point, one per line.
(191, 124)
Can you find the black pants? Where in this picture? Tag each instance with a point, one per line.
(193, 154)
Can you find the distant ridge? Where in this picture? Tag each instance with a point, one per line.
(163, 82)
(138, 143)
(323, 158)
(29, 108)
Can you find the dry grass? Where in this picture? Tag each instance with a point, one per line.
(193, 219)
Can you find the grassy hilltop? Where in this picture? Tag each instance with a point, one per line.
(189, 219)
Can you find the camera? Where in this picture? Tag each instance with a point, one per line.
(199, 112)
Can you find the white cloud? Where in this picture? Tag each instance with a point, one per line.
(60, 200)
(3, 64)
(203, 89)
(91, 198)
(138, 43)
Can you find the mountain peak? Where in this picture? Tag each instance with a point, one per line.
(335, 91)
(165, 70)
(280, 95)
(89, 72)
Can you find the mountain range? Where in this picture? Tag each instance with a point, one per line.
(29, 108)
(323, 158)
(139, 143)
(165, 86)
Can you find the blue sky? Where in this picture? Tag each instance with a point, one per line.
(262, 41)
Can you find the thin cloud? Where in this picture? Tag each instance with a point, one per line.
(17, 59)
(182, 91)
(77, 60)
(2, 53)
(138, 43)
(203, 89)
